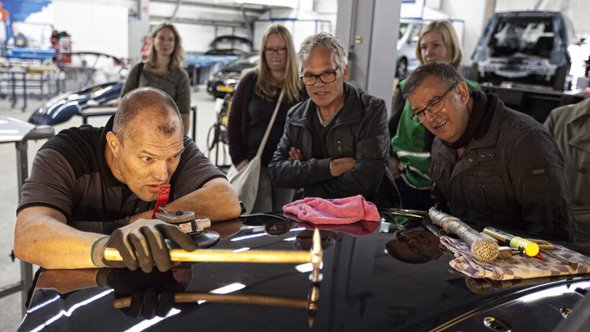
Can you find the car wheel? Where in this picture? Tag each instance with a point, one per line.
(401, 69)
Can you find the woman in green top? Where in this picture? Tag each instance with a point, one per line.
(163, 70)
(410, 142)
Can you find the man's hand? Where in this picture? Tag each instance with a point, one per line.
(151, 294)
(142, 244)
(295, 154)
(395, 168)
(341, 165)
(241, 164)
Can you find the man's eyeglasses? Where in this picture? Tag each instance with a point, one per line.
(326, 78)
(279, 51)
(435, 105)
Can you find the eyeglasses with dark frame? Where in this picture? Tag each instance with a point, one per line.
(279, 51)
(326, 78)
(435, 105)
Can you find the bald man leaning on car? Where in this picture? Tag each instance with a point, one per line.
(92, 188)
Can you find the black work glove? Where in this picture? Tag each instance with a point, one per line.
(150, 294)
(141, 244)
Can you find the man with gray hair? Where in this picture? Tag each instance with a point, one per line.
(92, 188)
(490, 165)
(335, 144)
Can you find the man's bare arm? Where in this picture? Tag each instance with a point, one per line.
(215, 200)
(42, 237)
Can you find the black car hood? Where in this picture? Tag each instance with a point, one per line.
(363, 288)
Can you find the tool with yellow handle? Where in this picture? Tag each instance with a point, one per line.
(227, 256)
(314, 256)
(530, 248)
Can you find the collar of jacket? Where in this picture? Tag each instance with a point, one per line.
(351, 112)
(490, 139)
(481, 149)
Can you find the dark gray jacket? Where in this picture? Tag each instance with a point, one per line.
(360, 132)
(512, 177)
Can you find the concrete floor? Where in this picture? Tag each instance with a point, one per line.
(10, 306)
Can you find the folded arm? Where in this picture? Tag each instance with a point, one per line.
(365, 174)
(360, 173)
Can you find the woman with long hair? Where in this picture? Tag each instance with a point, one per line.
(253, 104)
(410, 142)
(163, 70)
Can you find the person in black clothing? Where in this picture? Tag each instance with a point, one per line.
(335, 144)
(252, 107)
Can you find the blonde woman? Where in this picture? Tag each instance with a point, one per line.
(253, 103)
(163, 70)
(410, 142)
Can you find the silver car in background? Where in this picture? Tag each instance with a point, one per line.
(406, 62)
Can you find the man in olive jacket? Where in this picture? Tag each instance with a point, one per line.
(335, 144)
(570, 127)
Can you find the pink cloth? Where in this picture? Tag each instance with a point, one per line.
(336, 211)
(356, 229)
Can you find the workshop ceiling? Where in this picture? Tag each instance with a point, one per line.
(217, 12)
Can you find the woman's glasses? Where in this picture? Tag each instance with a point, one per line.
(279, 51)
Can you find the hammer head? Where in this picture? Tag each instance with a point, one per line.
(184, 219)
(316, 276)
(316, 257)
(175, 217)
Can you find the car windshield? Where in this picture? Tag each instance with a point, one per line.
(525, 35)
(231, 44)
(402, 29)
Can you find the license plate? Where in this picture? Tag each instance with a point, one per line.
(225, 88)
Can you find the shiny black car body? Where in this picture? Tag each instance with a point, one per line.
(62, 107)
(363, 289)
